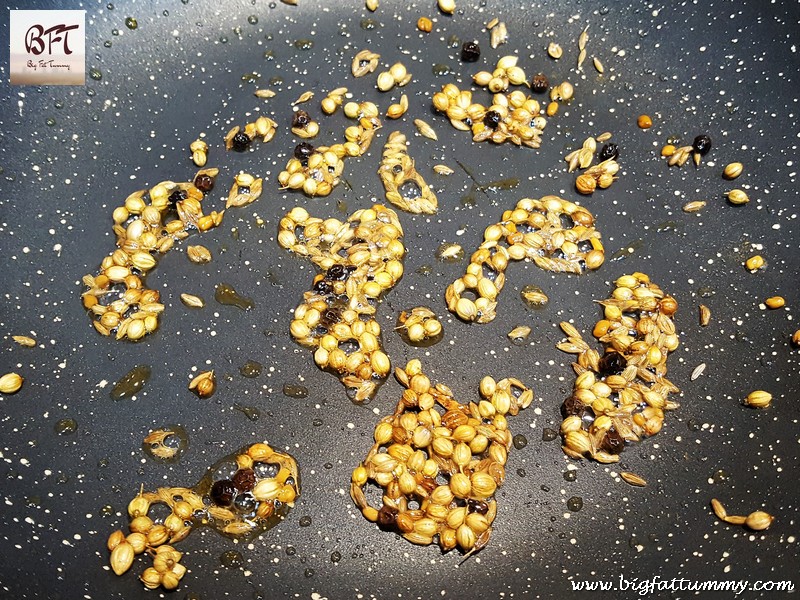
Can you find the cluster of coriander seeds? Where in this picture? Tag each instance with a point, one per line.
(397, 75)
(199, 150)
(513, 117)
(333, 100)
(245, 190)
(316, 171)
(419, 324)
(535, 230)
(506, 73)
(601, 175)
(438, 463)
(117, 299)
(680, 156)
(364, 62)
(250, 501)
(622, 395)
(303, 126)
(360, 259)
(239, 139)
(397, 170)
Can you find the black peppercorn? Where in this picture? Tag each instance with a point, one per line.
(609, 151)
(387, 517)
(613, 443)
(177, 196)
(223, 492)
(539, 83)
(300, 119)
(492, 119)
(303, 150)
(322, 287)
(336, 273)
(204, 183)
(477, 506)
(702, 144)
(244, 480)
(470, 51)
(612, 363)
(240, 141)
(573, 406)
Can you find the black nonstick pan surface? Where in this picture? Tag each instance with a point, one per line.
(72, 457)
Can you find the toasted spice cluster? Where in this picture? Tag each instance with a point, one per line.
(622, 395)
(535, 229)
(117, 299)
(397, 170)
(438, 462)
(361, 258)
(248, 503)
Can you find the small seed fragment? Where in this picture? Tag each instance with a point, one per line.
(192, 301)
(424, 24)
(774, 302)
(425, 129)
(644, 122)
(754, 262)
(198, 254)
(719, 510)
(598, 65)
(705, 315)
(264, 94)
(520, 332)
(10, 383)
(668, 150)
(443, 170)
(372, 5)
(738, 197)
(204, 384)
(304, 97)
(24, 340)
(698, 370)
(554, 50)
(694, 206)
(759, 520)
(732, 170)
(632, 479)
(498, 35)
(448, 7)
(758, 399)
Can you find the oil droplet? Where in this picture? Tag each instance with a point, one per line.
(521, 472)
(107, 44)
(131, 23)
(304, 44)
(295, 391)
(250, 412)
(453, 41)
(291, 551)
(50, 121)
(250, 77)
(309, 572)
(519, 441)
(305, 521)
(368, 24)
(131, 382)
(227, 296)
(341, 206)
(440, 70)
(424, 270)
(570, 475)
(66, 426)
(336, 556)
(252, 19)
(631, 249)
(500, 184)
(232, 559)
(548, 434)
(95, 74)
(575, 503)
(251, 369)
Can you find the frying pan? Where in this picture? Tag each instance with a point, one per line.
(69, 155)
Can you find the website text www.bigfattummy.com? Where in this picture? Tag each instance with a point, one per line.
(644, 587)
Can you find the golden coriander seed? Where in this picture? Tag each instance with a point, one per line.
(733, 170)
(758, 399)
(775, 302)
(738, 197)
(424, 24)
(754, 262)
(10, 383)
(759, 520)
(644, 122)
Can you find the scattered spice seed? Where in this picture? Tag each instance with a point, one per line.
(264, 94)
(372, 5)
(603, 137)
(192, 301)
(733, 170)
(598, 65)
(304, 97)
(443, 170)
(632, 479)
(448, 7)
(738, 197)
(424, 24)
(499, 35)
(198, 254)
(705, 315)
(719, 510)
(520, 332)
(470, 52)
(694, 206)
(698, 370)
(758, 399)
(24, 340)
(491, 24)
(701, 144)
(204, 384)
(774, 302)
(425, 129)
(10, 383)
(759, 520)
(796, 338)
(554, 50)
(668, 150)
(754, 262)
(644, 122)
